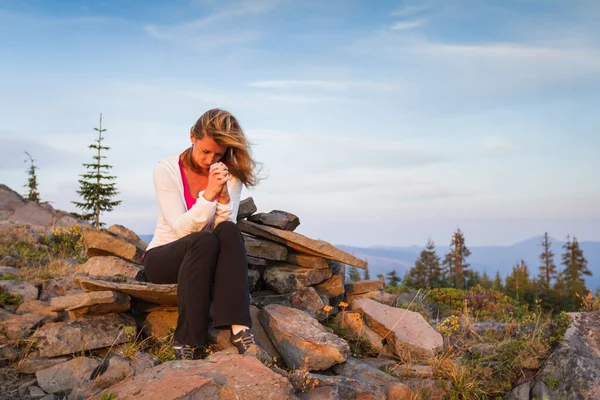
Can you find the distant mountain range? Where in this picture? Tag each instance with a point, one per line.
(483, 258)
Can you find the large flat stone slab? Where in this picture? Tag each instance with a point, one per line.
(92, 303)
(277, 219)
(110, 266)
(301, 339)
(149, 292)
(306, 260)
(363, 286)
(105, 243)
(264, 249)
(410, 335)
(86, 333)
(301, 243)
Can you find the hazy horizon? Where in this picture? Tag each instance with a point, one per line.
(377, 123)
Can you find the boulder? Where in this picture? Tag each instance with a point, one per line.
(31, 365)
(408, 332)
(264, 249)
(277, 219)
(160, 323)
(64, 377)
(117, 369)
(128, 235)
(378, 295)
(331, 287)
(301, 243)
(306, 261)
(59, 287)
(573, 368)
(261, 336)
(111, 267)
(222, 377)
(24, 289)
(104, 243)
(145, 291)
(364, 286)
(263, 298)
(356, 369)
(308, 300)
(301, 340)
(86, 333)
(246, 209)
(92, 303)
(286, 278)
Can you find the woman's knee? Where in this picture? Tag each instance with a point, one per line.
(203, 240)
(227, 228)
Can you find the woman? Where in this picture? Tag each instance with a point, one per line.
(196, 243)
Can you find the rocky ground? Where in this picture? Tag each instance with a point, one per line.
(78, 320)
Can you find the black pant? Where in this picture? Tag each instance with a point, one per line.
(199, 262)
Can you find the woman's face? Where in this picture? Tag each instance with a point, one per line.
(207, 152)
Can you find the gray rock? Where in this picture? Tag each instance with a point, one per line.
(253, 277)
(24, 289)
(246, 209)
(92, 303)
(301, 340)
(148, 292)
(349, 388)
(286, 278)
(492, 326)
(112, 267)
(572, 371)
(264, 249)
(31, 365)
(540, 391)
(67, 376)
(265, 297)
(117, 369)
(308, 300)
(35, 391)
(356, 369)
(521, 392)
(277, 219)
(59, 287)
(4, 270)
(86, 333)
(24, 387)
(142, 361)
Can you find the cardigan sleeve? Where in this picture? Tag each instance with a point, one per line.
(228, 212)
(173, 209)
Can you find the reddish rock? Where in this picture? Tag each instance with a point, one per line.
(364, 286)
(104, 243)
(111, 267)
(331, 287)
(160, 323)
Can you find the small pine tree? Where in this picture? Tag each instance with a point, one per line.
(393, 279)
(575, 267)
(485, 281)
(367, 275)
(381, 277)
(497, 285)
(455, 261)
(353, 274)
(427, 271)
(97, 193)
(548, 267)
(32, 183)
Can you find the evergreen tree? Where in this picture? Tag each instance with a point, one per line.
(426, 271)
(497, 285)
(32, 184)
(367, 275)
(547, 268)
(381, 277)
(393, 279)
(353, 274)
(517, 281)
(575, 267)
(485, 281)
(455, 261)
(96, 187)
(559, 291)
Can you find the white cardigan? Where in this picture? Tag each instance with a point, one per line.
(174, 218)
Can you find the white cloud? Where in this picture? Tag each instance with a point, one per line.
(410, 10)
(497, 144)
(407, 25)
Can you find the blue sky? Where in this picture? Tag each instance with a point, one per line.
(377, 122)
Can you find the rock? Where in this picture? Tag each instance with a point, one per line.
(20, 326)
(356, 369)
(277, 219)
(399, 391)
(433, 388)
(264, 249)
(4, 270)
(112, 267)
(221, 377)
(67, 376)
(356, 324)
(246, 209)
(36, 307)
(4, 315)
(286, 278)
(411, 297)
(521, 392)
(142, 306)
(86, 333)
(24, 289)
(411, 370)
(31, 365)
(301, 243)
(220, 338)
(364, 286)
(492, 326)
(306, 261)
(261, 336)
(540, 390)
(149, 292)
(160, 323)
(59, 287)
(307, 299)
(117, 369)
(331, 287)
(379, 296)
(104, 243)
(321, 393)
(35, 391)
(8, 355)
(573, 369)
(349, 388)
(253, 277)
(301, 340)
(24, 387)
(92, 303)
(409, 333)
(260, 262)
(265, 297)
(142, 361)
(128, 235)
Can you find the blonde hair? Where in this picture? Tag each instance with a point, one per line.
(225, 130)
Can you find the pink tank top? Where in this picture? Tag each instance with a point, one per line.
(189, 200)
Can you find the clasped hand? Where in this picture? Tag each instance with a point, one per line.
(218, 177)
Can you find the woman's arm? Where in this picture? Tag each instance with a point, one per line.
(173, 209)
(228, 212)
